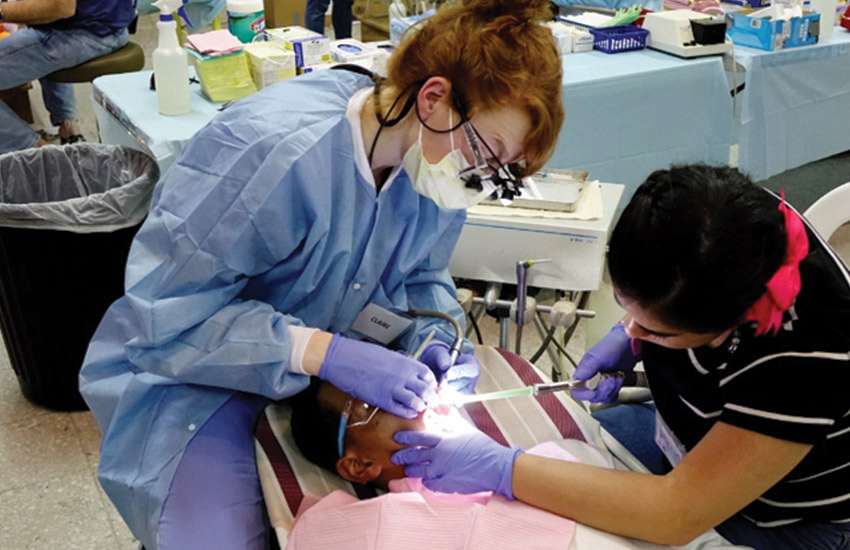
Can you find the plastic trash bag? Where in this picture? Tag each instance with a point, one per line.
(67, 218)
(82, 188)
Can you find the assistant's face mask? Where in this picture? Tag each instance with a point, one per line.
(441, 182)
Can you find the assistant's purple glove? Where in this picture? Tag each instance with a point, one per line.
(464, 463)
(378, 376)
(613, 352)
(461, 377)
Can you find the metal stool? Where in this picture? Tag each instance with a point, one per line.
(129, 58)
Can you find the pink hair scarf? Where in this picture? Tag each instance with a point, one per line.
(784, 286)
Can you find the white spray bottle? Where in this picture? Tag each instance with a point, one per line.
(170, 65)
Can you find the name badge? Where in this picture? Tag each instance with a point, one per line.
(380, 324)
(668, 442)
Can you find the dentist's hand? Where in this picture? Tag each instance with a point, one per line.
(465, 463)
(612, 353)
(378, 376)
(461, 377)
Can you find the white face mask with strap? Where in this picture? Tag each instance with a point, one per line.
(441, 182)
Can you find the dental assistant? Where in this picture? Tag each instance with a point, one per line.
(282, 220)
(740, 313)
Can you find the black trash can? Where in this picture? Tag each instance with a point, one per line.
(67, 217)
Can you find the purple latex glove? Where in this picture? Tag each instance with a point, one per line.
(378, 376)
(464, 463)
(613, 352)
(461, 377)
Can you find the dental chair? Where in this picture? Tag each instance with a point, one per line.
(286, 476)
(831, 211)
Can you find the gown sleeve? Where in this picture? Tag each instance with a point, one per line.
(198, 250)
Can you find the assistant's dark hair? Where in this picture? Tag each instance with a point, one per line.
(315, 426)
(696, 246)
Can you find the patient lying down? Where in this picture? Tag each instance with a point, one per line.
(367, 438)
(409, 516)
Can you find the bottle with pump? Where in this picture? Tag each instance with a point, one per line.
(170, 64)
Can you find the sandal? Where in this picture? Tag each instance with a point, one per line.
(76, 138)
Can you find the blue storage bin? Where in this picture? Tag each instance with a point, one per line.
(624, 38)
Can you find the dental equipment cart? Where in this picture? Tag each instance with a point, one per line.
(490, 246)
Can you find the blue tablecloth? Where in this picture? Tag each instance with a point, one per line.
(796, 105)
(125, 108)
(627, 114)
(631, 113)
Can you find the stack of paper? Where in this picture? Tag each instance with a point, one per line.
(214, 43)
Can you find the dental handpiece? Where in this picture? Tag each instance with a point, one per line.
(457, 345)
(631, 378)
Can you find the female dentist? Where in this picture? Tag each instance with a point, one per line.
(288, 224)
(741, 315)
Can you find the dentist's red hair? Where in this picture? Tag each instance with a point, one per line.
(495, 53)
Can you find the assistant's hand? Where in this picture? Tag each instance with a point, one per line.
(462, 376)
(381, 377)
(465, 463)
(613, 352)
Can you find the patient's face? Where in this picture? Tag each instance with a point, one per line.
(375, 439)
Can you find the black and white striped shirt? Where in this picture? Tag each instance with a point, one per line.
(793, 386)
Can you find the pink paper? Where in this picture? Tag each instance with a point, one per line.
(419, 518)
(214, 43)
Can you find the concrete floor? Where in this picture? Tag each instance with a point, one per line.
(49, 496)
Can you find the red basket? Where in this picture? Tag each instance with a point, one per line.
(845, 19)
(624, 38)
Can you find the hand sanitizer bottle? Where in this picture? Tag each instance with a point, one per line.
(170, 65)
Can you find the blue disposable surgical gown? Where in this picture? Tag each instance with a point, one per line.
(263, 222)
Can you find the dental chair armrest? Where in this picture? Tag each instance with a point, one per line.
(621, 453)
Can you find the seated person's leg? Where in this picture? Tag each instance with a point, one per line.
(30, 54)
(215, 500)
(21, 61)
(72, 48)
(62, 105)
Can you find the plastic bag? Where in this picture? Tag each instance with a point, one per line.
(83, 188)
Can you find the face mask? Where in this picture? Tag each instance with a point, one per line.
(441, 182)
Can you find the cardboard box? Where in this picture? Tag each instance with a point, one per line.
(310, 48)
(284, 13)
(751, 28)
(313, 68)
(582, 41)
(748, 3)
(270, 63)
(349, 50)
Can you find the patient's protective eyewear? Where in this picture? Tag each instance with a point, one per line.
(352, 417)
